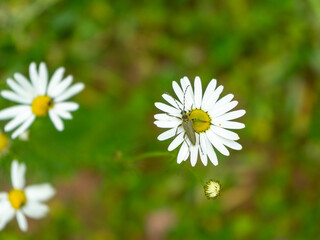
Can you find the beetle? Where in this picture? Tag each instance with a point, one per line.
(188, 127)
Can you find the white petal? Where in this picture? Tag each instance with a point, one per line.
(35, 210)
(5, 207)
(229, 124)
(203, 157)
(177, 91)
(6, 213)
(223, 101)
(188, 93)
(217, 143)
(3, 196)
(70, 92)
(67, 106)
(209, 91)
(22, 175)
(15, 97)
(18, 174)
(169, 133)
(194, 155)
(172, 101)
(202, 142)
(197, 92)
(225, 133)
(231, 115)
(57, 122)
(62, 86)
(170, 110)
(23, 127)
(18, 89)
(167, 124)
(43, 78)
(34, 76)
(203, 149)
(211, 153)
(176, 142)
(223, 109)
(13, 111)
(166, 117)
(22, 221)
(55, 80)
(40, 192)
(18, 120)
(63, 114)
(231, 144)
(187, 156)
(24, 82)
(183, 152)
(212, 99)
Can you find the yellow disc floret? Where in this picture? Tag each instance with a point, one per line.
(41, 105)
(17, 198)
(4, 142)
(200, 120)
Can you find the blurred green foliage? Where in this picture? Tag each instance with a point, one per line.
(115, 180)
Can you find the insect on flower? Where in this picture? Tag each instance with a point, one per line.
(186, 121)
(199, 122)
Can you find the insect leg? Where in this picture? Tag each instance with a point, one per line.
(176, 133)
(201, 148)
(201, 120)
(173, 116)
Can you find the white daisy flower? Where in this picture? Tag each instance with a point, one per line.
(210, 120)
(23, 201)
(39, 98)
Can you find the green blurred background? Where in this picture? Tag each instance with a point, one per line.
(114, 179)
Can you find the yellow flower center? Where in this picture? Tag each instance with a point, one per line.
(41, 105)
(17, 198)
(4, 142)
(201, 121)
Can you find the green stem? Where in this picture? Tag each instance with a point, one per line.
(152, 154)
(191, 169)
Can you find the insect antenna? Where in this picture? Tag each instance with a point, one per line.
(174, 100)
(184, 98)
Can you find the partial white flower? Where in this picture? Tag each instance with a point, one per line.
(210, 116)
(4, 143)
(38, 98)
(23, 201)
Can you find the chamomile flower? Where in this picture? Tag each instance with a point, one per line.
(212, 189)
(39, 97)
(23, 201)
(210, 118)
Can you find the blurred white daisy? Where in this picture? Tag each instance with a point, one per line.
(210, 120)
(39, 98)
(23, 201)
